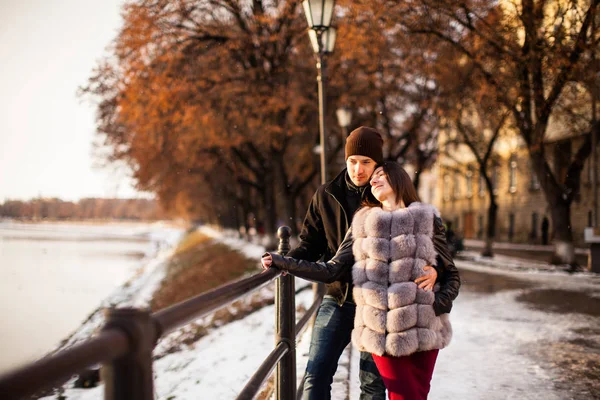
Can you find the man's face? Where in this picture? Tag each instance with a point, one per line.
(360, 169)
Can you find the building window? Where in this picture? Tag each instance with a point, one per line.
(431, 191)
(512, 177)
(469, 179)
(511, 226)
(481, 185)
(456, 186)
(534, 223)
(495, 178)
(534, 182)
(589, 171)
(446, 187)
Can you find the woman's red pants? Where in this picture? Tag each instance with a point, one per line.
(408, 377)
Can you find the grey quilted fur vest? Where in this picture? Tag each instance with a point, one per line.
(393, 316)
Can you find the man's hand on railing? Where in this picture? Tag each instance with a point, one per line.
(267, 262)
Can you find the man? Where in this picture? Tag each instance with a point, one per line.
(328, 218)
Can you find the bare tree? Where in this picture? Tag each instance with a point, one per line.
(525, 53)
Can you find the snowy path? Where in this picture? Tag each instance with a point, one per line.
(496, 338)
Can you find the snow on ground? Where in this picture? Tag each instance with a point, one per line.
(528, 270)
(491, 355)
(230, 238)
(220, 364)
(487, 358)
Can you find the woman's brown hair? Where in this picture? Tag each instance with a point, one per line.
(400, 182)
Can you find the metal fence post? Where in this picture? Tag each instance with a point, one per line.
(285, 325)
(130, 376)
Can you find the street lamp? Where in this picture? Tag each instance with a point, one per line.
(328, 40)
(322, 37)
(344, 117)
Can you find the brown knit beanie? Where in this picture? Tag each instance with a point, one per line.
(366, 142)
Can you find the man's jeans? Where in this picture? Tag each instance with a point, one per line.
(371, 384)
(331, 335)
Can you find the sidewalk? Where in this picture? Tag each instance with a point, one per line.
(524, 251)
(518, 334)
(519, 246)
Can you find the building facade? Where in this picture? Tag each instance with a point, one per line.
(462, 196)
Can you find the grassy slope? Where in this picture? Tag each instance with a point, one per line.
(198, 265)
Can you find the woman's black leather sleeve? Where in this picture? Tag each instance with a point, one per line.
(448, 276)
(339, 268)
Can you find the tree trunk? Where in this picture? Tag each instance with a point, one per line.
(291, 213)
(266, 213)
(270, 216)
(417, 179)
(421, 162)
(560, 210)
(246, 209)
(284, 197)
(490, 236)
(564, 250)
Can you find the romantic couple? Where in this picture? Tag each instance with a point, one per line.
(389, 274)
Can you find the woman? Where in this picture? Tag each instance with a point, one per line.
(388, 252)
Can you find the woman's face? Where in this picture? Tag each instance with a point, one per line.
(380, 187)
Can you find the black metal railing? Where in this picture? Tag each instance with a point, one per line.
(124, 345)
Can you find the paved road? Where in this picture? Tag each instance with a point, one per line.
(531, 252)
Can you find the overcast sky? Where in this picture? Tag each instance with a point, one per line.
(47, 50)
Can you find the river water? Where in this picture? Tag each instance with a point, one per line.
(52, 276)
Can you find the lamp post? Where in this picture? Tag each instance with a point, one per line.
(322, 37)
(592, 234)
(594, 92)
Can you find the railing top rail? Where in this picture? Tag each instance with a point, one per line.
(179, 314)
(42, 374)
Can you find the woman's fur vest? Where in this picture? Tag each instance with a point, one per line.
(393, 316)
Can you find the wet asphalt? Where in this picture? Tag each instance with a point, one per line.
(577, 360)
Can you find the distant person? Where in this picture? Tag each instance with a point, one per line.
(388, 255)
(545, 228)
